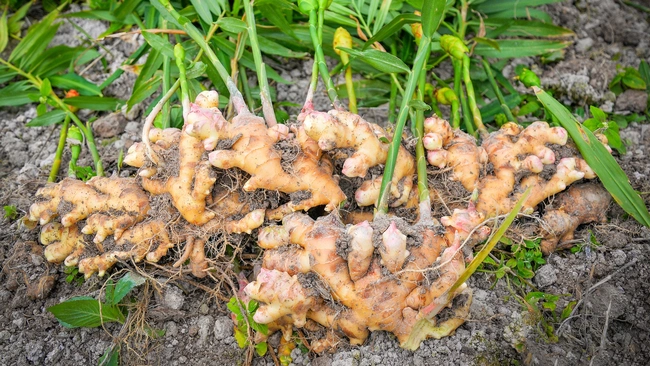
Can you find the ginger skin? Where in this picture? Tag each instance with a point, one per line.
(579, 205)
(368, 299)
(341, 130)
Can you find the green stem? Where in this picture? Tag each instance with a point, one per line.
(179, 55)
(265, 95)
(320, 58)
(235, 95)
(497, 91)
(455, 114)
(471, 98)
(247, 89)
(418, 64)
(420, 156)
(56, 164)
(458, 89)
(349, 85)
(166, 84)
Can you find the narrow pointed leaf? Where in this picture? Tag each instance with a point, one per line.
(4, 31)
(76, 82)
(203, 10)
(381, 61)
(525, 28)
(512, 48)
(392, 27)
(95, 103)
(32, 46)
(47, 119)
(496, 6)
(159, 43)
(276, 18)
(433, 12)
(599, 159)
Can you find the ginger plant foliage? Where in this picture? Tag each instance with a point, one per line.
(349, 277)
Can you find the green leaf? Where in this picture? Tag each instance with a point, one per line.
(14, 23)
(111, 356)
(46, 88)
(273, 48)
(515, 48)
(241, 338)
(16, 94)
(599, 159)
(76, 82)
(382, 61)
(496, 6)
(159, 43)
(598, 114)
(85, 312)
(524, 28)
(196, 70)
(125, 9)
(95, 103)
(38, 37)
(633, 80)
(419, 105)
(50, 118)
(143, 91)
(644, 72)
(276, 18)
(486, 41)
(568, 309)
(4, 31)
(124, 286)
(391, 28)
(433, 12)
(261, 349)
(203, 10)
(527, 13)
(232, 25)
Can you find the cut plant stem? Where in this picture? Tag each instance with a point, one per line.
(166, 84)
(497, 91)
(471, 98)
(260, 66)
(419, 62)
(56, 164)
(314, 23)
(420, 157)
(235, 95)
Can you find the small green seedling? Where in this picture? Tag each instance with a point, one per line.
(599, 123)
(628, 78)
(11, 212)
(241, 329)
(73, 276)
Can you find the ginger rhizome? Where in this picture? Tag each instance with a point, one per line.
(218, 177)
(355, 279)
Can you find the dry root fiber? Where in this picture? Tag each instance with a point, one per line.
(351, 279)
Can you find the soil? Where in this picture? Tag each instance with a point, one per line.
(610, 324)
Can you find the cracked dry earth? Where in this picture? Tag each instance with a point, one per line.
(611, 325)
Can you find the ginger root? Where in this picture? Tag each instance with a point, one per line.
(344, 130)
(352, 280)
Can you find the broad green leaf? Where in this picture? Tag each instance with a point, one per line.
(4, 31)
(159, 43)
(76, 82)
(85, 312)
(382, 61)
(525, 28)
(598, 113)
(203, 10)
(515, 48)
(46, 88)
(35, 41)
(241, 338)
(392, 27)
(633, 80)
(124, 286)
(50, 118)
(261, 349)
(599, 159)
(232, 25)
(95, 103)
(496, 6)
(433, 12)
